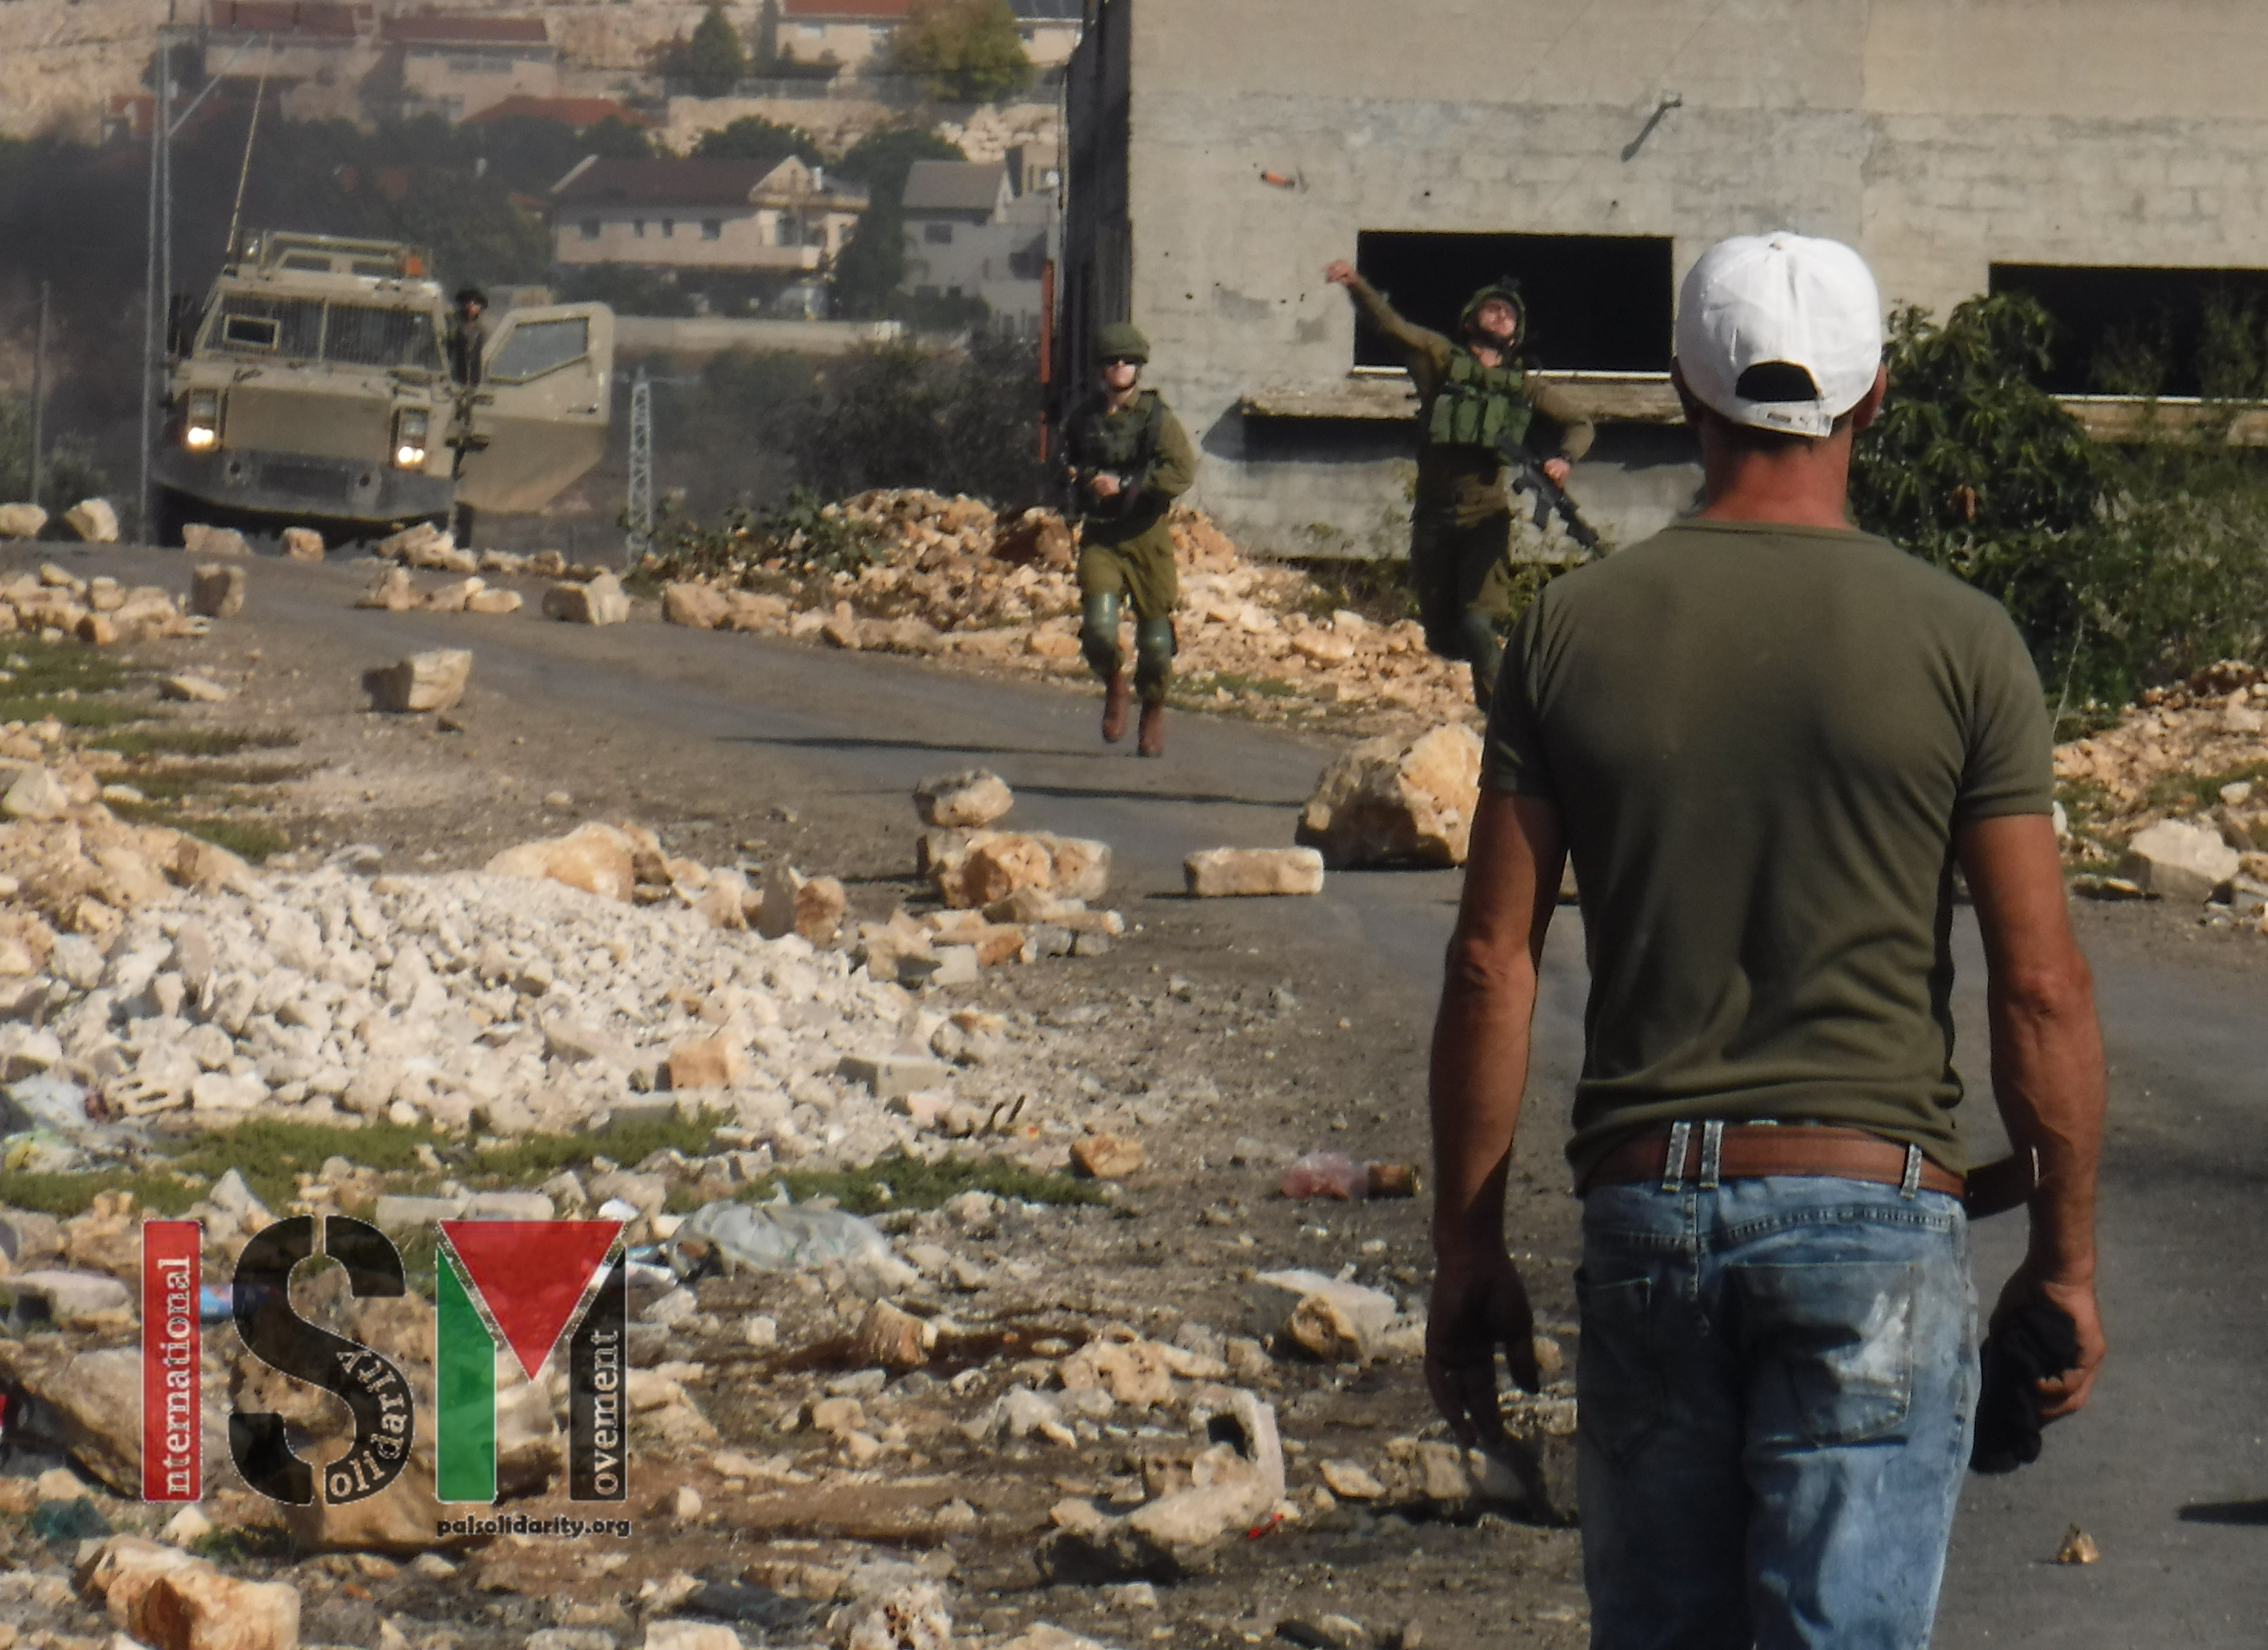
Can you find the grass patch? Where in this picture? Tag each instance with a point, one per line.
(66, 1195)
(1266, 686)
(2189, 792)
(268, 1152)
(1376, 588)
(172, 783)
(234, 1546)
(908, 1183)
(52, 667)
(250, 842)
(72, 712)
(163, 740)
(537, 1157)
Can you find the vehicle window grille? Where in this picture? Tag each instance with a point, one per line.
(361, 336)
(292, 327)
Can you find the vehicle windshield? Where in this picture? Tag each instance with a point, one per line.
(310, 329)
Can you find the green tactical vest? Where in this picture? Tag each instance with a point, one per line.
(1480, 407)
(1121, 444)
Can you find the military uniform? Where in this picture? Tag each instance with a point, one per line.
(1126, 549)
(1460, 520)
(469, 338)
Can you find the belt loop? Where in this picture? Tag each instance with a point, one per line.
(1713, 1151)
(1673, 1162)
(1912, 1184)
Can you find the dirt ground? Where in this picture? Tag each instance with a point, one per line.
(1296, 1051)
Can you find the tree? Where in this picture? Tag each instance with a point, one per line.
(715, 61)
(966, 51)
(753, 137)
(869, 269)
(616, 138)
(898, 417)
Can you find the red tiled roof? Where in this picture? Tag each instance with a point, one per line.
(430, 30)
(575, 112)
(288, 17)
(846, 11)
(665, 183)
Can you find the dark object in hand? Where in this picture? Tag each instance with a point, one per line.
(2034, 1343)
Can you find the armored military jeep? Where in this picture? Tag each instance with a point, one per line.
(313, 386)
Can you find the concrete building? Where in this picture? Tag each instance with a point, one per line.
(312, 56)
(971, 233)
(2100, 153)
(755, 215)
(455, 65)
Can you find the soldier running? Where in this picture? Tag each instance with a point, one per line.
(1474, 399)
(1128, 459)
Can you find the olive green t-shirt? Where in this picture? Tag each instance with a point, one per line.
(1760, 739)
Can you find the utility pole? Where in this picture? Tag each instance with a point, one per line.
(637, 508)
(40, 395)
(161, 106)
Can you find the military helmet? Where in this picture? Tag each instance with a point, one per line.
(1122, 341)
(471, 295)
(1505, 288)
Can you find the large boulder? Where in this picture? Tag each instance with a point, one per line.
(396, 592)
(216, 592)
(21, 521)
(697, 606)
(976, 868)
(1394, 802)
(93, 520)
(1234, 1485)
(303, 544)
(170, 1599)
(964, 801)
(600, 601)
(199, 540)
(424, 681)
(2180, 862)
(1224, 873)
(597, 859)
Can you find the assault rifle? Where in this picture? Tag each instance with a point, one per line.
(1526, 475)
(1084, 500)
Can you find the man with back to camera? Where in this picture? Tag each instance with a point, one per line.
(1767, 739)
(1473, 397)
(1128, 459)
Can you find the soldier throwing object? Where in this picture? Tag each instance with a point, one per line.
(1128, 459)
(1474, 398)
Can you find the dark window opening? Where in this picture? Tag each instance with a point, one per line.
(2150, 332)
(1596, 303)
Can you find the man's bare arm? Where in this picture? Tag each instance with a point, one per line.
(1479, 1072)
(2047, 1069)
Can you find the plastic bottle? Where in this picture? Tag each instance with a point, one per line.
(1336, 1175)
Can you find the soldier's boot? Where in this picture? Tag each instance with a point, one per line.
(1116, 694)
(1154, 646)
(1478, 646)
(1151, 741)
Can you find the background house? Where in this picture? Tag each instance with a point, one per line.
(854, 34)
(456, 64)
(971, 232)
(783, 217)
(2112, 158)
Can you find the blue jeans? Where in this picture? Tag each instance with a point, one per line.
(1777, 1384)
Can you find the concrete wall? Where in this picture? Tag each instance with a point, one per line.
(1940, 135)
(747, 238)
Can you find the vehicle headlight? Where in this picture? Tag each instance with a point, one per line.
(410, 438)
(201, 421)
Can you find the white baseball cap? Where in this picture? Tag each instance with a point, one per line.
(1784, 299)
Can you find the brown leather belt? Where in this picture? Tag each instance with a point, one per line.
(1750, 1151)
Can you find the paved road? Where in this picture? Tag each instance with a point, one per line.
(2168, 1470)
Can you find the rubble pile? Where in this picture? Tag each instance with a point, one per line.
(2173, 800)
(55, 603)
(430, 548)
(955, 581)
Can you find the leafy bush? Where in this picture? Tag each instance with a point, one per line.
(966, 51)
(2123, 567)
(900, 417)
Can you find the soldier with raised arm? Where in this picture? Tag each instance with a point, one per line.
(1474, 400)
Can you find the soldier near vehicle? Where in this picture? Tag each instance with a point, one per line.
(1475, 403)
(468, 336)
(1128, 459)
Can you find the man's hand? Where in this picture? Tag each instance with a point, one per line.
(2066, 1393)
(1340, 272)
(1556, 469)
(1105, 485)
(1478, 1306)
